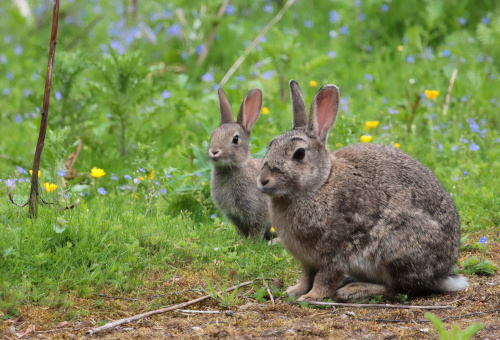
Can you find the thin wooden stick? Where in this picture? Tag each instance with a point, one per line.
(448, 94)
(268, 291)
(33, 200)
(158, 311)
(424, 321)
(211, 35)
(370, 305)
(254, 43)
(198, 311)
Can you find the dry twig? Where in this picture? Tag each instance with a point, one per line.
(34, 196)
(158, 311)
(268, 291)
(371, 305)
(211, 35)
(448, 94)
(255, 42)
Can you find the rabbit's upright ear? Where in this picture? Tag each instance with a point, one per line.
(250, 109)
(324, 109)
(298, 105)
(226, 114)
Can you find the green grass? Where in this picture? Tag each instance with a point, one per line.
(118, 241)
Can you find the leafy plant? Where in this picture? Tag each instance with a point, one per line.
(456, 333)
(479, 266)
(222, 297)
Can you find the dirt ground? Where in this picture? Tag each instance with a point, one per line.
(251, 319)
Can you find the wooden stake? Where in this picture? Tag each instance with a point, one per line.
(33, 200)
(448, 94)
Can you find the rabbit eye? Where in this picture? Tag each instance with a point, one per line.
(299, 154)
(235, 139)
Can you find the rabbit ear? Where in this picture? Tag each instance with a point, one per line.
(324, 109)
(226, 114)
(250, 109)
(298, 105)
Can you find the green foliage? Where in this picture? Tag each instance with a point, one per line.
(456, 333)
(222, 297)
(474, 265)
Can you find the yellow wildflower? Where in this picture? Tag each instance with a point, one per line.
(50, 187)
(271, 230)
(135, 196)
(431, 94)
(265, 110)
(142, 178)
(313, 83)
(152, 175)
(400, 48)
(338, 145)
(39, 173)
(97, 173)
(371, 124)
(366, 139)
(397, 145)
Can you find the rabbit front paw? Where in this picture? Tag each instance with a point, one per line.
(296, 290)
(360, 291)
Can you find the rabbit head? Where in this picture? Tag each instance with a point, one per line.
(298, 161)
(229, 143)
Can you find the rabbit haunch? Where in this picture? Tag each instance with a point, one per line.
(234, 172)
(369, 212)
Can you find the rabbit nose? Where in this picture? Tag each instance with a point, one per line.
(213, 153)
(264, 181)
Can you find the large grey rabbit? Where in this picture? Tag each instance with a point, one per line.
(234, 173)
(366, 212)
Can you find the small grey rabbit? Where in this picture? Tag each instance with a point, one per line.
(234, 173)
(366, 213)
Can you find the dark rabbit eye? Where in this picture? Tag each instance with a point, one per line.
(299, 154)
(235, 139)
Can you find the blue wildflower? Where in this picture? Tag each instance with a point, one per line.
(3, 59)
(127, 177)
(102, 191)
(18, 50)
(344, 30)
(197, 174)
(333, 34)
(168, 175)
(463, 140)
(385, 127)
(332, 54)
(368, 77)
(114, 177)
(163, 191)
(334, 17)
(6, 91)
(268, 8)
(410, 59)
(199, 49)
(454, 148)
(466, 173)
(473, 147)
(268, 74)
(21, 170)
(230, 10)
(308, 23)
(485, 20)
(482, 240)
(208, 77)
(157, 183)
(61, 173)
(462, 21)
(446, 53)
(393, 111)
(137, 180)
(361, 17)
(384, 8)
(174, 30)
(213, 216)
(140, 169)
(165, 94)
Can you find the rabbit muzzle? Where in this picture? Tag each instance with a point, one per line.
(265, 181)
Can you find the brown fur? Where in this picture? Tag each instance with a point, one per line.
(368, 211)
(234, 173)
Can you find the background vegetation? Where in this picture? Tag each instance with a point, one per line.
(129, 87)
